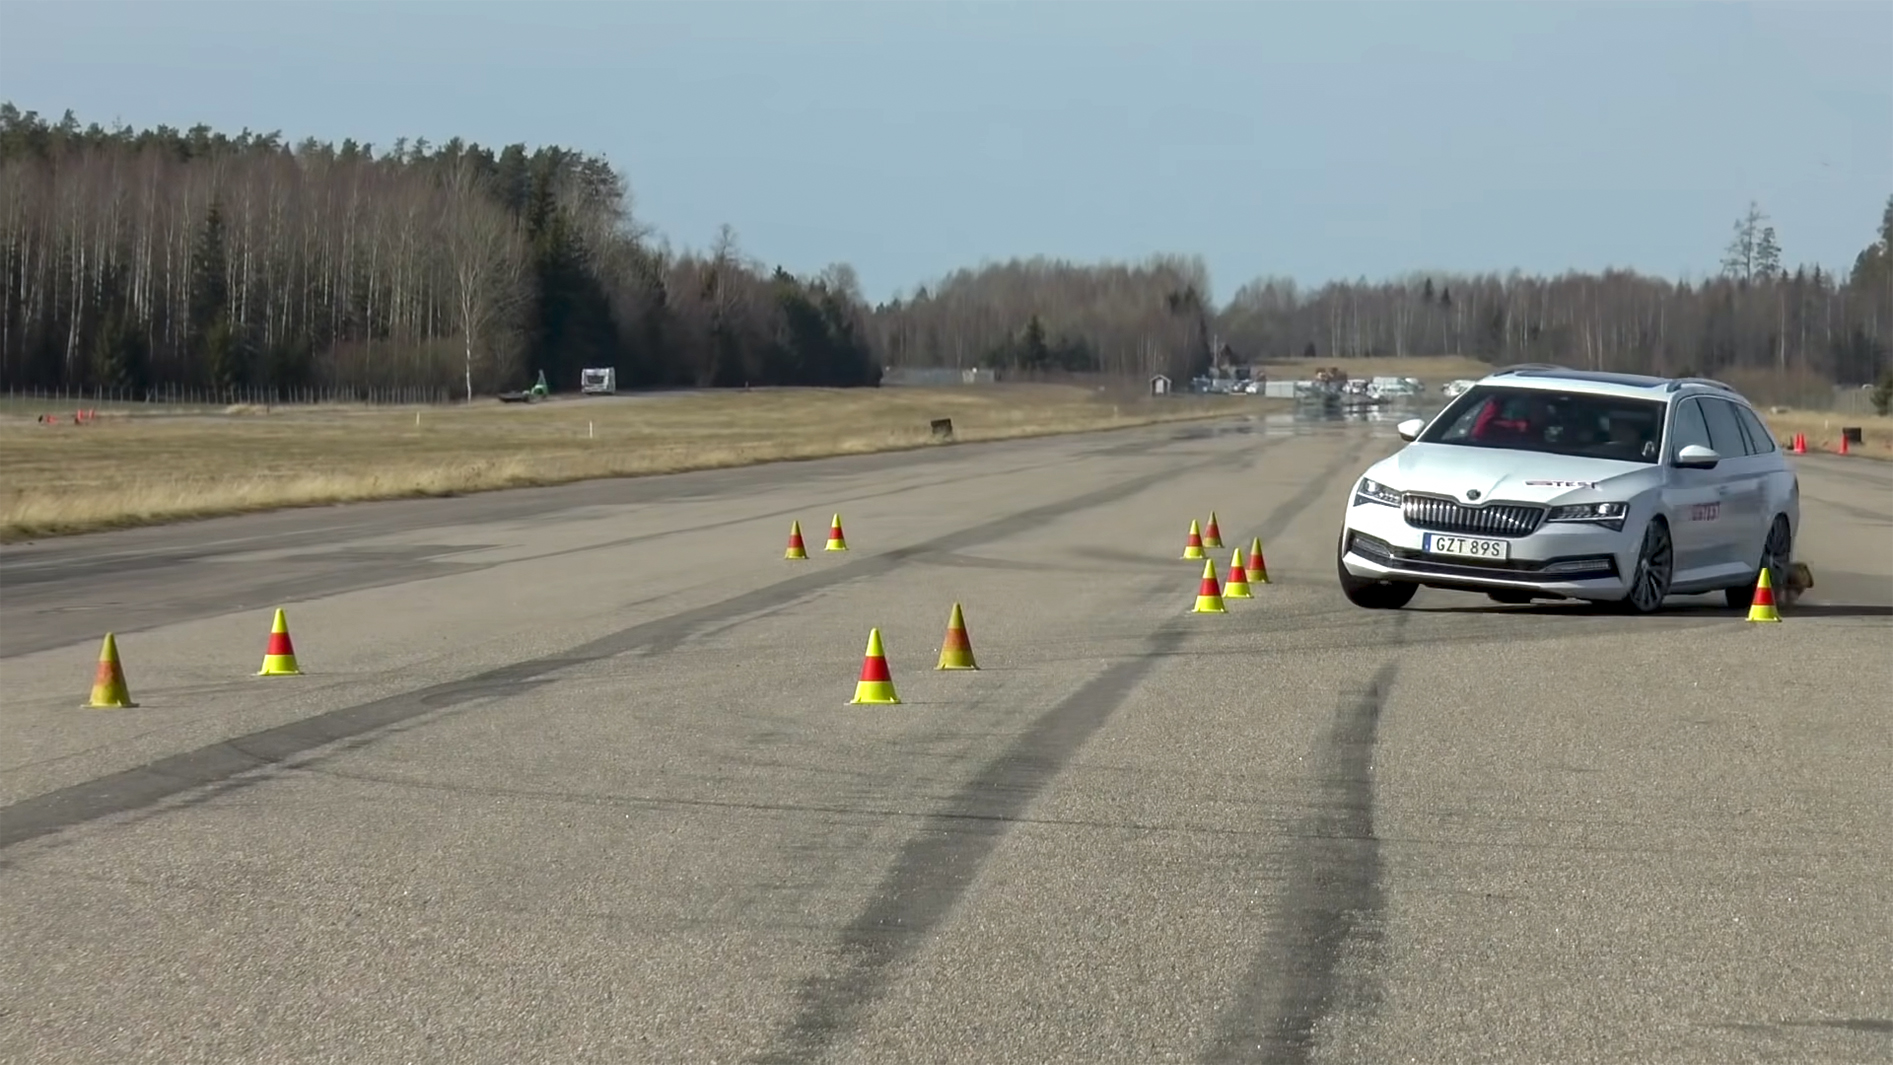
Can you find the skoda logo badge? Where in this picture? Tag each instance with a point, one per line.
(1473, 494)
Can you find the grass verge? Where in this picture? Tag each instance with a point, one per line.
(1823, 431)
(130, 469)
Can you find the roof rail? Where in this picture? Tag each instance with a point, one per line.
(1711, 382)
(1523, 366)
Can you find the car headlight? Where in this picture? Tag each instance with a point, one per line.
(1609, 515)
(1370, 491)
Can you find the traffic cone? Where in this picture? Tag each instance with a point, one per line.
(279, 658)
(957, 651)
(1238, 584)
(1763, 608)
(1209, 598)
(835, 539)
(1258, 570)
(875, 686)
(796, 550)
(1212, 536)
(1194, 548)
(1800, 443)
(109, 690)
(1843, 443)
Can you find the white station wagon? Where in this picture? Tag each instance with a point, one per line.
(1540, 482)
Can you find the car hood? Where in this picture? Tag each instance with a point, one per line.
(1500, 474)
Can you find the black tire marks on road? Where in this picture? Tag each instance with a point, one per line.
(215, 763)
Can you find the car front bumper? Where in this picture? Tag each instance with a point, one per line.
(1564, 560)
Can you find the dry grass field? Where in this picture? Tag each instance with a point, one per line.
(127, 469)
(1823, 431)
(1428, 368)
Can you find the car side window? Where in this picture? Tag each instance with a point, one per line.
(1758, 434)
(1725, 433)
(1688, 428)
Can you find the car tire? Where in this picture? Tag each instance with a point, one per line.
(1777, 556)
(1371, 594)
(1656, 565)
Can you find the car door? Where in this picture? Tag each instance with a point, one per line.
(1691, 498)
(1737, 520)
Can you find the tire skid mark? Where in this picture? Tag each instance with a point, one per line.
(1331, 899)
(216, 763)
(936, 867)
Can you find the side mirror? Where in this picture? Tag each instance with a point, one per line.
(1697, 457)
(1409, 430)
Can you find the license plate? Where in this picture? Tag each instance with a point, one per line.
(1470, 547)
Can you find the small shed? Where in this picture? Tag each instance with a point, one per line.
(1159, 385)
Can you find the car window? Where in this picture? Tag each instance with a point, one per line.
(1725, 433)
(1761, 440)
(1579, 424)
(1689, 427)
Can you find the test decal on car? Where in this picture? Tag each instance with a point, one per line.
(1541, 482)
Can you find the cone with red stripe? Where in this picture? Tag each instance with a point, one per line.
(836, 542)
(109, 690)
(875, 685)
(279, 658)
(796, 550)
(1258, 570)
(1193, 548)
(1212, 536)
(1763, 608)
(956, 652)
(1237, 587)
(1209, 596)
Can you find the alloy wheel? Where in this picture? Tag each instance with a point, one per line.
(1651, 581)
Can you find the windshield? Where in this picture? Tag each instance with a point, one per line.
(1580, 424)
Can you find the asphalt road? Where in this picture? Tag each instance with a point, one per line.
(572, 777)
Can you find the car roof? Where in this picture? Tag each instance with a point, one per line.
(1603, 382)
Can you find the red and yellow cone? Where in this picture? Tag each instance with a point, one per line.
(1763, 608)
(1258, 571)
(796, 550)
(956, 652)
(1193, 548)
(1212, 536)
(1209, 597)
(279, 658)
(109, 690)
(875, 685)
(1237, 586)
(836, 542)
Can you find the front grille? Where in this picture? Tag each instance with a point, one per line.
(1445, 515)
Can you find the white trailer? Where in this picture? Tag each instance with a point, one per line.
(601, 381)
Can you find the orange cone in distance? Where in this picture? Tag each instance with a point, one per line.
(875, 685)
(796, 550)
(957, 650)
(1763, 608)
(279, 658)
(109, 690)
(1258, 570)
(1194, 547)
(1843, 443)
(1209, 597)
(1237, 587)
(1212, 536)
(835, 540)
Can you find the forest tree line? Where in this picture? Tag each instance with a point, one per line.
(137, 259)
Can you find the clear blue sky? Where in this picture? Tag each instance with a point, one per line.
(1310, 140)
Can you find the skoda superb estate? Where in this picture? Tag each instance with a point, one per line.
(1548, 483)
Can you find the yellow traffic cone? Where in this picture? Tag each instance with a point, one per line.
(796, 550)
(1212, 536)
(1193, 548)
(1209, 598)
(279, 658)
(1237, 586)
(109, 690)
(957, 650)
(1763, 608)
(1258, 570)
(875, 685)
(836, 542)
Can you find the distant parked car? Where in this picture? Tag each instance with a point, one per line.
(1565, 484)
